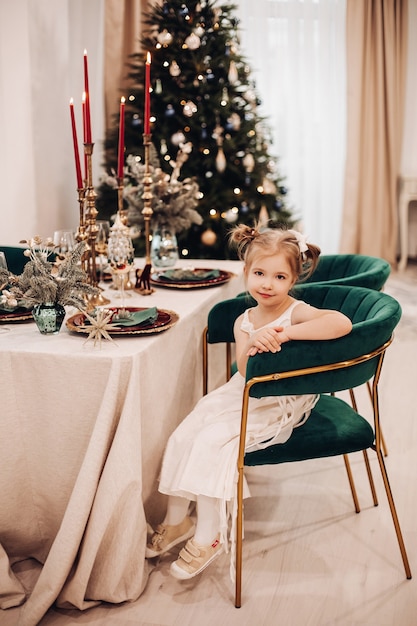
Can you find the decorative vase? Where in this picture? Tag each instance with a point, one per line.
(48, 317)
(164, 248)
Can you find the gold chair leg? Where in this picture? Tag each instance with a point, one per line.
(370, 477)
(239, 535)
(228, 361)
(383, 444)
(351, 483)
(205, 361)
(394, 514)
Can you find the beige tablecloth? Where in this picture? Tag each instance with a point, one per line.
(83, 430)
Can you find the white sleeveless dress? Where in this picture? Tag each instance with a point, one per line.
(201, 454)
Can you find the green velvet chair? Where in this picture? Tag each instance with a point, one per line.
(15, 258)
(356, 270)
(324, 367)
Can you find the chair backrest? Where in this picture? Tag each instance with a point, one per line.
(351, 269)
(374, 316)
(15, 258)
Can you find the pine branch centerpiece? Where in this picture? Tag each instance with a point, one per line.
(47, 284)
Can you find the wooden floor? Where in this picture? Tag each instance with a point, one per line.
(309, 559)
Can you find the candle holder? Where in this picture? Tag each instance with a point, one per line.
(120, 206)
(89, 228)
(143, 285)
(81, 235)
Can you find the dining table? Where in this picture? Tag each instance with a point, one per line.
(84, 425)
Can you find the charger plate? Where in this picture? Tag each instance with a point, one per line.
(20, 315)
(158, 280)
(78, 323)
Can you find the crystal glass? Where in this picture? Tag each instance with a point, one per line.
(120, 254)
(64, 241)
(164, 248)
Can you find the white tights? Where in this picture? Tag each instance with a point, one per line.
(208, 519)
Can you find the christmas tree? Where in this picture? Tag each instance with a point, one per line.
(204, 109)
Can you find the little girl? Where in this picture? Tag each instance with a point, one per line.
(200, 460)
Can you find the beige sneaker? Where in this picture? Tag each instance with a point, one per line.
(193, 559)
(166, 537)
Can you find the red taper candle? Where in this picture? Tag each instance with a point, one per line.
(121, 138)
(87, 100)
(76, 151)
(147, 115)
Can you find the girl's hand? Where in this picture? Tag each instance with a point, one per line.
(267, 340)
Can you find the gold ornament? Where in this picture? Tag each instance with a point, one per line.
(209, 237)
(220, 160)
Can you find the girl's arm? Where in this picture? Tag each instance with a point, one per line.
(308, 322)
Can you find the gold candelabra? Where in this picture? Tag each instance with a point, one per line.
(88, 229)
(143, 284)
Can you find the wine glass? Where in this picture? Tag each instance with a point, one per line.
(64, 241)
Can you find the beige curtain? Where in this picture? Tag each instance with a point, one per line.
(122, 31)
(376, 72)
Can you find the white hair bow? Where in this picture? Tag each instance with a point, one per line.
(301, 240)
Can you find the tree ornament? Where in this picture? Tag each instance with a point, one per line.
(158, 86)
(199, 30)
(178, 138)
(193, 41)
(248, 162)
(164, 148)
(209, 237)
(235, 121)
(169, 111)
(233, 75)
(263, 216)
(269, 186)
(174, 69)
(98, 327)
(183, 12)
(220, 160)
(164, 38)
(231, 215)
(189, 108)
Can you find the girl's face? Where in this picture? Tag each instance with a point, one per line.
(269, 279)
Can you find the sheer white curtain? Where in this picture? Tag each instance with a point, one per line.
(41, 67)
(296, 49)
